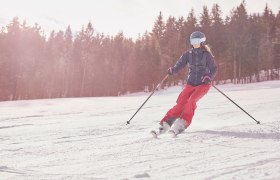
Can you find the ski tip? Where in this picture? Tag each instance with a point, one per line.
(154, 134)
(172, 133)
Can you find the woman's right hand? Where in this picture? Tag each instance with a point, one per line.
(170, 71)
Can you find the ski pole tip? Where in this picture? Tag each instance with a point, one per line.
(127, 122)
(258, 122)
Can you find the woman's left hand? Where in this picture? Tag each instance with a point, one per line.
(206, 79)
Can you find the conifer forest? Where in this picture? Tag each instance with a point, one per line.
(88, 63)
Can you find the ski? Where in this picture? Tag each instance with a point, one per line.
(178, 126)
(156, 134)
(172, 133)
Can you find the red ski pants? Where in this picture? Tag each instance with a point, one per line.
(186, 103)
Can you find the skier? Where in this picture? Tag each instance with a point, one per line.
(202, 70)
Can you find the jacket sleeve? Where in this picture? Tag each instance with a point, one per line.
(181, 63)
(211, 64)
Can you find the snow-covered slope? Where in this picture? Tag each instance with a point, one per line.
(87, 138)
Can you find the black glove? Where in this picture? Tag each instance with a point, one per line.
(170, 71)
(206, 80)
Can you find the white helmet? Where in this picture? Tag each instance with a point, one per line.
(197, 37)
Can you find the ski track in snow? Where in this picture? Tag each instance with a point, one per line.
(87, 138)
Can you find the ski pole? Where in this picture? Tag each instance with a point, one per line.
(128, 122)
(258, 122)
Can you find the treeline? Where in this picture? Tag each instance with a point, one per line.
(90, 63)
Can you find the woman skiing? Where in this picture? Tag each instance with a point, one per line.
(202, 71)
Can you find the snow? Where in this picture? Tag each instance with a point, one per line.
(87, 138)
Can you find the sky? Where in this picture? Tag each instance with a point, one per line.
(132, 17)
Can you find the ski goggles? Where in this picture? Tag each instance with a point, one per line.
(197, 40)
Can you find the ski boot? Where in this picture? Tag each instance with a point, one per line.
(177, 127)
(162, 129)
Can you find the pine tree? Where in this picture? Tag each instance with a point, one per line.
(219, 41)
(239, 39)
(159, 29)
(68, 73)
(13, 51)
(205, 21)
(266, 46)
(86, 38)
(181, 27)
(276, 45)
(171, 38)
(157, 47)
